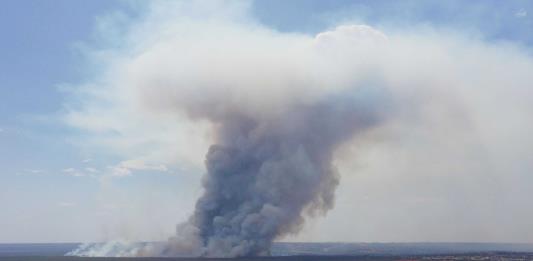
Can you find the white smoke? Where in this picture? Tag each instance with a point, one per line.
(285, 109)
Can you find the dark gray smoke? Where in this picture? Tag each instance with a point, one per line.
(277, 123)
(264, 174)
(281, 104)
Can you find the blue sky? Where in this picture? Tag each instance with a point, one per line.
(49, 183)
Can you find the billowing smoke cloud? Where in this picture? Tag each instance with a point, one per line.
(272, 157)
(280, 107)
(263, 173)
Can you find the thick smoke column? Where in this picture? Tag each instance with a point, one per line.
(271, 163)
(263, 174)
(280, 106)
(277, 123)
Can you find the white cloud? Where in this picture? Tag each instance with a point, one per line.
(126, 168)
(142, 165)
(73, 172)
(521, 13)
(91, 170)
(119, 171)
(86, 160)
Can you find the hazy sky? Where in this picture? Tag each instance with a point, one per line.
(78, 169)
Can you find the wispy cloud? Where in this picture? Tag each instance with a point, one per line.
(521, 13)
(119, 171)
(126, 168)
(142, 165)
(91, 170)
(73, 172)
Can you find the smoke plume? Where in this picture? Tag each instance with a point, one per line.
(262, 174)
(272, 158)
(279, 107)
